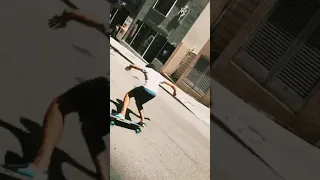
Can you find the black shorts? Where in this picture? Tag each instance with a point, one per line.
(141, 96)
(89, 99)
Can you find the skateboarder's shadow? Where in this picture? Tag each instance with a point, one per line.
(30, 143)
(119, 104)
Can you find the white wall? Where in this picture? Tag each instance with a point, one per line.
(199, 32)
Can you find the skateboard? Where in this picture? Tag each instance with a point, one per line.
(135, 126)
(8, 174)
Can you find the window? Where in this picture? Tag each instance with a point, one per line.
(165, 52)
(283, 54)
(164, 6)
(199, 76)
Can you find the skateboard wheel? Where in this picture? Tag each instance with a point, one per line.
(138, 131)
(112, 123)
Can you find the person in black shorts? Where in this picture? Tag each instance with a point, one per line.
(89, 99)
(145, 93)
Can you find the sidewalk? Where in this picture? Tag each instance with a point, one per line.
(199, 110)
(290, 156)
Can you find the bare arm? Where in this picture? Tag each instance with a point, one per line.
(60, 21)
(172, 86)
(128, 68)
(78, 16)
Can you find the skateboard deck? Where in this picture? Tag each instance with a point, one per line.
(8, 174)
(133, 125)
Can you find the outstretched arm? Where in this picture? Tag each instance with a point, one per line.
(172, 86)
(128, 68)
(60, 21)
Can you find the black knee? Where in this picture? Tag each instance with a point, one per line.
(139, 106)
(62, 105)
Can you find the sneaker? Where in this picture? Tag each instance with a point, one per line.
(119, 116)
(142, 124)
(32, 172)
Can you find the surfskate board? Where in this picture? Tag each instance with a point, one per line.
(8, 174)
(130, 124)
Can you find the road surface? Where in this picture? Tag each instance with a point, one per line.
(175, 144)
(38, 63)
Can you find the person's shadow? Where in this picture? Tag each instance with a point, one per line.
(30, 142)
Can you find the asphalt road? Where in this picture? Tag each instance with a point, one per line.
(175, 144)
(37, 64)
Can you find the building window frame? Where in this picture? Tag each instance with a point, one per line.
(166, 15)
(270, 79)
(194, 84)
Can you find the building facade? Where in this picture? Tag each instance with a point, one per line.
(154, 28)
(268, 53)
(189, 64)
(195, 78)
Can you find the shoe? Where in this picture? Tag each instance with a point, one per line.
(119, 116)
(142, 124)
(32, 172)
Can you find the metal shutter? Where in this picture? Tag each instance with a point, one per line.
(199, 76)
(275, 36)
(284, 25)
(203, 84)
(302, 73)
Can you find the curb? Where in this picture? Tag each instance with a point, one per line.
(243, 143)
(185, 106)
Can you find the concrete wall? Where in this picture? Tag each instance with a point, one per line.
(196, 37)
(304, 123)
(175, 59)
(199, 33)
(169, 26)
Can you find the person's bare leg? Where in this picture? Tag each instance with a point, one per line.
(53, 126)
(141, 113)
(126, 101)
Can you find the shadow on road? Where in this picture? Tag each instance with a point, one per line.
(119, 104)
(30, 143)
(70, 4)
(82, 51)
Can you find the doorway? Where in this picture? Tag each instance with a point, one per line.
(118, 17)
(143, 38)
(155, 48)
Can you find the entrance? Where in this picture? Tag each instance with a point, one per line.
(154, 48)
(142, 38)
(134, 31)
(118, 17)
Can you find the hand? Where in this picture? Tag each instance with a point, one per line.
(128, 68)
(174, 93)
(57, 21)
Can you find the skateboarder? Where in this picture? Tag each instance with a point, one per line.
(145, 93)
(89, 99)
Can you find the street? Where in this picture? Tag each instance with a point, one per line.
(38, 63)
(172, 146)
(175, 144)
